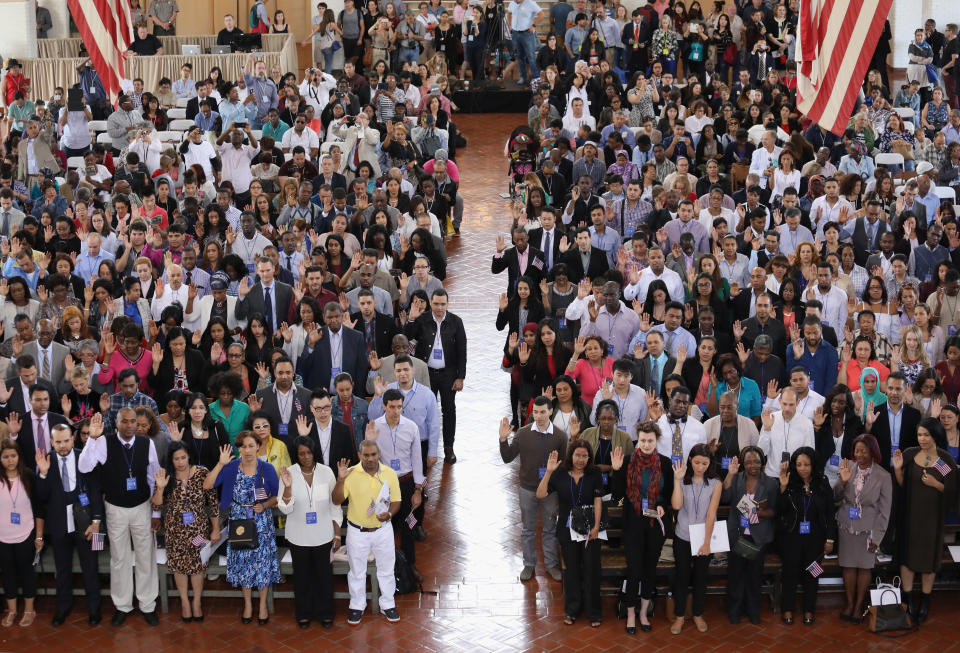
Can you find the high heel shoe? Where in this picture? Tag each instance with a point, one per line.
(247, 620)
(646, 627)
(631, 630)
(263, 622)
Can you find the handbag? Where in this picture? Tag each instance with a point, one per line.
(902, 147)
(243, 534)
(746, 548)
(887, 617)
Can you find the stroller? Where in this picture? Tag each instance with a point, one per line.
(523, 147)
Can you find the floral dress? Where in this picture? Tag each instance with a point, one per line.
(252, 567)
(643, 108)
(188, 502)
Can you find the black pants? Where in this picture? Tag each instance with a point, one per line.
(642, 546)
(312, 582)
(581, 578)
(743, 585)
(63, 548)
(407, 541)
(355, 52)
(419, 512)
(797, 552)
(71, 152)
(442, 382)
(687, 566)
(16, 564)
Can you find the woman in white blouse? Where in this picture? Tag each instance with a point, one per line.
(784, 175)
(313, 527)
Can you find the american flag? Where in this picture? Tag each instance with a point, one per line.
(260, 494)
(199, 541)
(96, 542)
(411, 520)
(942, 467)
(815, 569)
(835, 42)
(106, 28)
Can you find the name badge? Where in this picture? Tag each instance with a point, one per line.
(666, 51)
(744, 522)
(93, 90)
(334, 371)
(605, 476)
(443, 47)
(541, 472)
(251, 269)
(725, 463)
(675, 459)
(952, 329)
(266, 98)
(438, 354)
(84, 499)
(928, 277)
(14, 517)
(562, 323)
(853, 512)
(622, 427)
(835, 460)
(645, 504)
(131, 484)
(283, 429)
(609, 350)
(804, 528)
(188, 517)
(826, 322)
(311, 518)
(395, 464)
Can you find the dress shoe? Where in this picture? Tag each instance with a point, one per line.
(701, 625)
(631, 630)
(527, 573)
(555, 573)
(808, 621)
(756, 620)
(419, 533)
(327, 623)
(646, 627)
(246, 620)
(119, 618)
(197, 619)
(151, 618)
(59, 618)
(923, 609)
(263, 622)
(304, 624)
(449, 457)
(787, 621)
(94, 619)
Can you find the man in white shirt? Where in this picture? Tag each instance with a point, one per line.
(807, 400)
(834, 300)
(166, 294)
(316, 87)
(830, 207)
(576, 117)
(639, 283)
(236, 158)
(679, 433)
(765, 157)
(197, 149)
(248, 244)
(784, 432)
(301, 135)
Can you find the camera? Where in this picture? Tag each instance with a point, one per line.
(350, 120)
(339, 95)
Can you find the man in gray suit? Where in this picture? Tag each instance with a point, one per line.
(48, 354)
(11, 219)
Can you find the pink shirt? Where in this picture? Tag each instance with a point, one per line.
(119, 362)
(14, 499)
(590, 378)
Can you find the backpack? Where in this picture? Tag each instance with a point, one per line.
(401, 572)
(254, 18)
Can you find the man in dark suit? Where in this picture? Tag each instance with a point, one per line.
(745, 303)
(377, 329)
(254, 297)
(643, 373)
(283, 402)
(442, 344)
(635, 37)
(332, 350)
(584, 260)
(763, 323)
(866, 231)
(31, 430)
(815, 308)
(546, 239)
(334, 440)
(64, 493)
(519, 260)
(328, 175)
(193, 104)
(15, 392)
(554, 183)
(760, 63)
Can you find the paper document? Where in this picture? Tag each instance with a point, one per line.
(719, 542)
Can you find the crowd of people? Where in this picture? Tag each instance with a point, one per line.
(243, 336)
(723, 317)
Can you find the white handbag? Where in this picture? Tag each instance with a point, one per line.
(877, 592)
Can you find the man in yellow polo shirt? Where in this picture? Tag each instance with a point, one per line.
(374, 493)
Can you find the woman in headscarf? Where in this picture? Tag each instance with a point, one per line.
(869, 392)
(624, 167)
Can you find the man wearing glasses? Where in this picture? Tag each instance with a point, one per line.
(333, 438)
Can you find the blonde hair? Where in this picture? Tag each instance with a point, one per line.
(924, 358)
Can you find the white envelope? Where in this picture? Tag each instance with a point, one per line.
(719, 542)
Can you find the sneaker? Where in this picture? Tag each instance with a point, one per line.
(392, 615)
(527, 573)
(555, 573)
(354, 617)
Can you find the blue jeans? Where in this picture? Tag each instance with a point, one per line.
(327, 60)
(525, 46)
(408, 54)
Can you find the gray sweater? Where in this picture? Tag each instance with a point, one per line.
(533, 448)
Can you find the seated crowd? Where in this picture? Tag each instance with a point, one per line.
(718, 311)
(248, 327)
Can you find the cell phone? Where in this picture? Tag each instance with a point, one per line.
(382, 86)
(240, 125)
(785, 457)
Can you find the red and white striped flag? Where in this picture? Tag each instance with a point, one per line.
(106, 28)
(96, 541)
(260, 494)
(199, 541)
(835, 42)
(942, 466)
(815, 569)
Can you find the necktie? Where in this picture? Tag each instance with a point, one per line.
(636, 32)
(41, 435)
(64, 474)
(289, 268)
(268, 307)
(763, 66)
(670, 335)
(676, 449)
(189, 277)
(654, 375)
(45, 369)
(356, 154)
(548, 250)
(371, 341)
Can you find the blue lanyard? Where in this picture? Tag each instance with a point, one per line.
(579, 485)
(807, 500)
(601, 454)
(129, 459)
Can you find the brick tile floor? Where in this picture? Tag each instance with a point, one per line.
(471, 557)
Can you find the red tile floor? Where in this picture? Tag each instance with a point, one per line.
(471, 556)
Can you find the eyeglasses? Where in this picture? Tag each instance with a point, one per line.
(322, 408)
(234, 355)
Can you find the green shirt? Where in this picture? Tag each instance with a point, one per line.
(276, 133)
(237, 419)
(20, 114)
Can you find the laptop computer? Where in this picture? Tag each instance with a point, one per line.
(190, 50)
(219, 49)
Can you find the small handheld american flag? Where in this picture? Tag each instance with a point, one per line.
(96, 542)
(942, 466)
(199, 541)
(411, 520)
(260, 494)
(815, 569)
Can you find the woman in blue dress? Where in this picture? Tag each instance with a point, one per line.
(248, 490)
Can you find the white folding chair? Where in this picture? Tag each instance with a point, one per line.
(176, 114)
(97, 126)
(287, 156)
(104, 138)
(257, 133)
(180, 125)
(905, 112)
(74, 162)
(946, 193)
(182, 102)
(888, 159)
(170, 136)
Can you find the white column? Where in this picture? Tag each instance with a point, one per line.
(60, 14)
(19, 20)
